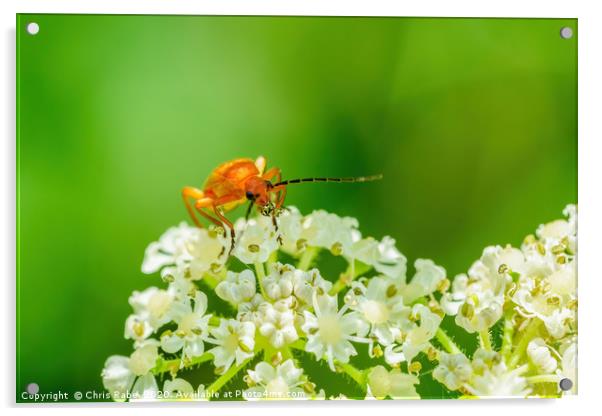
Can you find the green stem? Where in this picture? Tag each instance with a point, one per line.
(215, 320)
(526, 337)
(337, 287)
(351, 273)
(286, 353)
(298, 345)
(507, 337)
(272, 259)
(260, 271)
(307, 258)
(543, 378)
(174, 365)
(485, 340)
(447, 342)
(357, 375)
(224, 378)
(210, 280)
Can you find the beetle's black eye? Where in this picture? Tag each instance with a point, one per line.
(250, 196)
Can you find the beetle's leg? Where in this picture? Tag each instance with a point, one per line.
(268, 176)
(277, 174)
(281, 190)
(201, 205)
(281, 195)
(206, 203)
(222, 201)
(189, 192)
(226, 221)
(261, 163)
(273, 173)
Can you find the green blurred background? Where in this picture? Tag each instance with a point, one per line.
(473, 123)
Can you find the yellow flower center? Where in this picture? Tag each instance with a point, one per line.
(330, 329)
(231, 343)
(375, 312)
(187, 324)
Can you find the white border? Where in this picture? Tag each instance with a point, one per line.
(590, 208)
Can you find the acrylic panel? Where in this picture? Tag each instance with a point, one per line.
(249, 208)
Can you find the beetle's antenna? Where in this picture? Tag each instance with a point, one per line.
(347, 180)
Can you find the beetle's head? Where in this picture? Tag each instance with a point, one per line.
(256, 190)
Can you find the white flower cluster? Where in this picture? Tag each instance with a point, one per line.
(485, 375)
(285, 311)
(534, 289)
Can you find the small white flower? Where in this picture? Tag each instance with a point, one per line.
(549, 296)
(280, 382)
(452, 301)
(305, 284)
(289, 227)
(151, 311)
(329, 231)
(477, 299)
(382, 255)
(498, 382)
(238, 287)
(559, 322)
(279, 283)
(235, 341)
(196, 249)
(418, 337)
(554, 230)
(178, 389)
(425, 281)
(330, 331)
(540, 356)
(137, 328)
(144, 358)
(284, 281)
(256, 240)
(122, 375)
(380, 305)
(252, 311)
(483, 360)
(279, 326)
(117, 377)
(418, 331)
(480, 311)
(170, 249)
(486, 376)
(393, 384)
(208, 252)
(453, 370)
(563, 282)
(193, 327)
(180, 282)
(492, 269)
